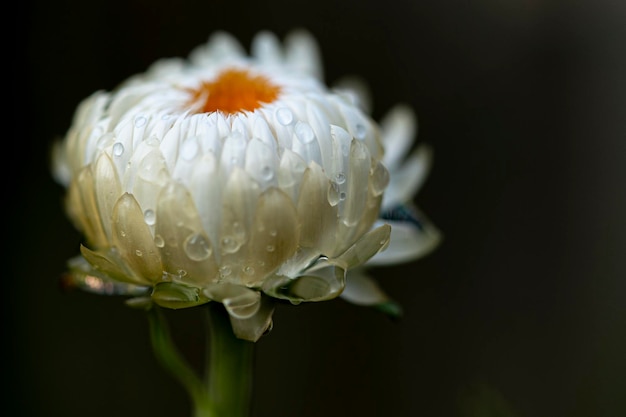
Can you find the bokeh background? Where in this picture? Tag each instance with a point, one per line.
(520, 312)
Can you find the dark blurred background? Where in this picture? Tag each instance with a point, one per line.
(520, 312)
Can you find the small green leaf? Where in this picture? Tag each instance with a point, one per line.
(174, 295)
(390, 308)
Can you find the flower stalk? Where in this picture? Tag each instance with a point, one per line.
(226, 387)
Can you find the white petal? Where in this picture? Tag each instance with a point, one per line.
(407, 243)
(362, 289)
(398, 129)
(303, 53)
(266, 48)
(406, 180)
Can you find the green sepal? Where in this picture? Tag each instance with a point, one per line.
(390, 308)
(174, 295)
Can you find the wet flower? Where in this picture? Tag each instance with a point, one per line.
(225, 177)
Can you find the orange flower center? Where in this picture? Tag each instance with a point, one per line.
(235, 90)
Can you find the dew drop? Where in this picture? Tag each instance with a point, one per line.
(267, 173)
(270, 248)
(248, 270)
(138, 252)
(380, 179)
(342, 195)
(225, 271)
(273, 233)
(181, 273)
(158, 241)
(360, 131)
(123, 233)
(140, 121)
(304, 133)
(284, 116)
(230, 245)
(149, 217)
(118, 149)
(333, 194)
(340, 178)
(197, 247)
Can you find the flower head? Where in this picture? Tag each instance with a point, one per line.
(225, 177)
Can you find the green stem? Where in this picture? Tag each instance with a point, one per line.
(229, 366)
(226, 390)
(172, 361)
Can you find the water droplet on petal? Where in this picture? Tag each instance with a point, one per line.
(248, 270)
(360, 131)
(267, 173)
(284, 116)
(333, 194)
(340, 178)
(273, 233)
(158, 241)
(225, 271)
(140, 121)
(197, 247)
(380, 179)
(138, 252)
(270, 248)
(118, 149)
(230, 245)
(342, 195)
(149, 216)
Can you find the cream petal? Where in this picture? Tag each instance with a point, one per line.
(274, 235)
(110, 263)
(255, 326)
(319, 123)
(233, 154)
(262, 132)
(206, 191)
(323, 280)
(107, 189)
(305, 143)
(316, 216)
(367, 246)
(133, 240)
(239, 199)
(290, 173)
(90, 216)
(262, 164)
(357, 184)
(187, 252)
(239, 301)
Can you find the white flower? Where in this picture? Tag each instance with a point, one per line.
(225, 177)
